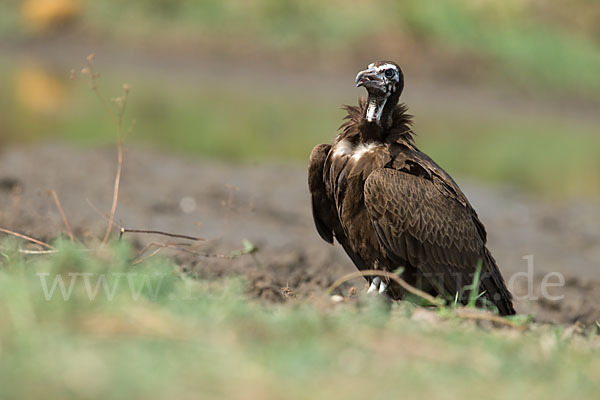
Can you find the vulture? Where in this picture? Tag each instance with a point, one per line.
(392, 208)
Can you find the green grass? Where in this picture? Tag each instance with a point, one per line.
(190, 339)
(529, 42)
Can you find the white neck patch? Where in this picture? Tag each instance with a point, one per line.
(375, 109)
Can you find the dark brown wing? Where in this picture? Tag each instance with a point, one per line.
(321, 205)
(325, 213)
(424, 222)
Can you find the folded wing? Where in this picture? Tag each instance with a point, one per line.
(418, 221)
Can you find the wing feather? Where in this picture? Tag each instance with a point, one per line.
(319, 200)
(419, 221)
(325, 213)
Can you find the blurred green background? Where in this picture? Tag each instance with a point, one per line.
(502, 91)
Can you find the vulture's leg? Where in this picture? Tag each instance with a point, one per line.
(378, 291)
(377, 286)
(382, 287)
(374, 285)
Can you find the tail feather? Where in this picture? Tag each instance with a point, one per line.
(493, 284)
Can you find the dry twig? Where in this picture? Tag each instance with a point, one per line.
(142, 259)
(97, 211)
(113, 208)
(123, 230)
(117, 183)
(62, 214)
(248, 249)
(121, 103)
(477, 315)
(175, 235)
(30, 239)
(25, 251)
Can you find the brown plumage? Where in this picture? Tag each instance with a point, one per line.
(390, 206)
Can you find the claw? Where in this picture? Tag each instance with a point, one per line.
(377, 286)
(374, 285)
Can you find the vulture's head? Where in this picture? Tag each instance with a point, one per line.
(381, 79)
(384, 83)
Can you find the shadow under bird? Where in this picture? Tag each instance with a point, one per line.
(390, 206)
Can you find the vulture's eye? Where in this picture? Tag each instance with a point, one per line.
(389, 73)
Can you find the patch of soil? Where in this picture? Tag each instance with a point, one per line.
(536, 243)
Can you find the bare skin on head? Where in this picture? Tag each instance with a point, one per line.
(380, 80)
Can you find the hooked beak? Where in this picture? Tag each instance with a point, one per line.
(370, 79)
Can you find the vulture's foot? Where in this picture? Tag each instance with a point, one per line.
(377, 286)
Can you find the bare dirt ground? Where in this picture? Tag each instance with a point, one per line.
(268, 205)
